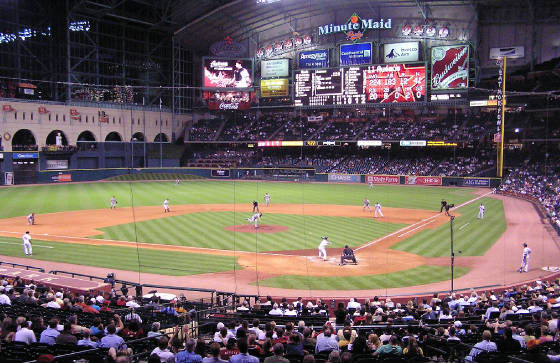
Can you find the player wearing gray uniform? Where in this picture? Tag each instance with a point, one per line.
(26, 238)
(31, 219)
(166, 206)
(255, 219)
(113, 202)
(366, 205)
(525, 259)
(481, 210)
(267, 199)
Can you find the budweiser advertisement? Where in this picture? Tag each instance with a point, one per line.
(229, 100)
(382, 179)
(422, 180)
(450, 67)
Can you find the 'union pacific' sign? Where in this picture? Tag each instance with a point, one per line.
(355, 27)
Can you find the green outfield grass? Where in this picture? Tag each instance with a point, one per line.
(472, 236)
(20, 201)
(207, 230)
(416, 276)
(122, 258)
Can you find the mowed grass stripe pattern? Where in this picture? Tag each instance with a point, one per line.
(123, 258)
(472, 236)
(21, 201)
(416, 276)
(207, 229)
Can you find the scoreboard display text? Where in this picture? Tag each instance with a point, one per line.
(360, 85)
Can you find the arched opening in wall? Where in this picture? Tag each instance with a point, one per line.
(23, 140)
(113, 137)
(138, 136)
(161, 138)
(56, 137)
(86, 141)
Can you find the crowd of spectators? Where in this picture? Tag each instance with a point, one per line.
(204, 130)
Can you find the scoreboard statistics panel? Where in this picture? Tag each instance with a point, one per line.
(360, 85)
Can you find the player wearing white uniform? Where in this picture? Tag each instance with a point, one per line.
(323, 248)
(267, 199)
(366, 205)
(27, 244)
(166, 206)
(525, 259)
(31, 218)
(255, 219)
(481, 211)
(370, 185)
(378, 210)
(113, 202)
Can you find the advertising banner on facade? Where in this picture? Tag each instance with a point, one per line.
(450, 67)
(318, 58)
(57, 164)
(275, 68)
(344, 178)
(274, 87)
(228, 100)
(61, 178)
(476, 182)
(382, 179)
(227, 73)
(401, 52)
(357, 53)
(422, 180)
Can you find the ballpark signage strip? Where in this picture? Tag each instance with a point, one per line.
(314, 58)
(353, 54)
(422, 180)
(382, 179)
(401, 52)
(450, 67)
(25, 156)
(57, 164)
(344, 178)
(355, 27)
(275, 68)
(476, 182)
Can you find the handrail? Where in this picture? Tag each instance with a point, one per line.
(27, 267)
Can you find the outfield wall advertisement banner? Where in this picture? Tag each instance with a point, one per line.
(401, 52)
(422, 180)
(61, 178)
(353, 54)
(476, 182)
(382, 179)
(57, 164)
(450, 67)
(344, 178)
(314, 58)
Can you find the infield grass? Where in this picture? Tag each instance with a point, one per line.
(19, 201)
(416, 276)
(471, 236)
(207, 230)
(122, 258)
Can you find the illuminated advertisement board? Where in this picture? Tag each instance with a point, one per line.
(220, 73)
(275, 68)
(401, 52)
(450, 67)
(274, 87)
(360, 85)
(228, 100)
(318, 58)
(353, 54)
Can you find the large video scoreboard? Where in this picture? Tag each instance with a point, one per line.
(360, 85)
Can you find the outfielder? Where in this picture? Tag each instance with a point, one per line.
(525, 259)
(267, 199)
(27, 244)
(366, 205)
(255, 219)
(31, 219)
(323, 248)
(113, 202)
(378, 210)
(166, 206)
(481, 211)
(370, 185)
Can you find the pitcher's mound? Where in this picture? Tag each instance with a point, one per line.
(263, 228)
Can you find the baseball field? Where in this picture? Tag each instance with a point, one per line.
(207, 232)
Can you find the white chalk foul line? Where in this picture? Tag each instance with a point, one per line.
(419, 222)
(464, 225)
(18, 244)
(414, 229)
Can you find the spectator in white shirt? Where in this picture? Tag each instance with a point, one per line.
(131, 303)
(291, 311)
(52, 302)
(275, 311)
(353, 304)
(24, 334)
(4, 299)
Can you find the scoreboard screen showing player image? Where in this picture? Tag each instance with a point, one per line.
(220, 73)
(402, 83)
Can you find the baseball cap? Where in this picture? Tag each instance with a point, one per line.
(58, 294)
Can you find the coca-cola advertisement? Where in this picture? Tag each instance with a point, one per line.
(450, 67)
(229, 100)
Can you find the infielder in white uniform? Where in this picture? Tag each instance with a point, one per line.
(525, 259)
(27, 244)
(166, 206)
(481, 211)
(31, 219)
(378, 210)
(267, 199)
(113, 202)
(255, 219)
(366, 205)
(323, 248)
